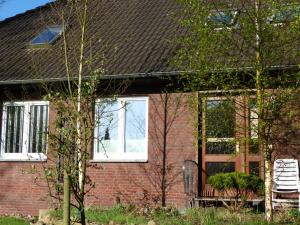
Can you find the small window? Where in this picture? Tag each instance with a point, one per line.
(287, 14)
(253, 146)
(221, 19)
(121, 129)
(220, 148)
(253, 126)
(213, 168)
(254, 168)
(253, 117)
(47, 36)
(24, 130)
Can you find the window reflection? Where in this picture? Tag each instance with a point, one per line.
(135, 130)
(108, 126)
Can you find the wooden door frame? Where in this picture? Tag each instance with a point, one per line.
(242, 156)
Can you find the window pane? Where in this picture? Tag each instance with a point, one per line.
(14, 129)
(254, 168)
(135, 126)
(38, 128)
(220, 148)
(253, 118)
(107, 119)
(213, 168)
(254, 146)
(48, 35)
(220, 119)
(222, 18)
(287, 14)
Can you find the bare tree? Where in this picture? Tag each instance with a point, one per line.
(163, 173)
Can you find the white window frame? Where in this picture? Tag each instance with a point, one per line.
(120, 155)
(24, 155)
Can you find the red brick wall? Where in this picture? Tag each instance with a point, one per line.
(135, 183)
(20, 192)
(139, 182)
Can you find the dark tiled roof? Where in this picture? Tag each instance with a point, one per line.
(133, 37)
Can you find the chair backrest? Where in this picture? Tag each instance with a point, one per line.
(286, 174)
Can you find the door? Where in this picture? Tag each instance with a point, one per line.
(227, 142)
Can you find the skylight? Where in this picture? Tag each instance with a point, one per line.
(47, 36)
(220, 19)
(286, 14)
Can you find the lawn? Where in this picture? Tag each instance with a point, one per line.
(170, 216)
(12, 221)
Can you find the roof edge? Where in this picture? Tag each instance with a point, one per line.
(104, 77)
(140, 75)
(38, 8)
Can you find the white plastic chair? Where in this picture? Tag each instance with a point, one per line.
(285, 181)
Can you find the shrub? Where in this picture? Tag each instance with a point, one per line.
(240, 186)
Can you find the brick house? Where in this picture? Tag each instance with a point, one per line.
(136, 37)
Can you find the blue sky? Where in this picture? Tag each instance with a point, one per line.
(13, 7)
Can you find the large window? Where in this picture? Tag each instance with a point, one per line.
(121, 129)
(24, 130)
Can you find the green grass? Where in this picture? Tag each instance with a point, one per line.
(118, 214)
(197, 216)
(12, 221)
(170, 216)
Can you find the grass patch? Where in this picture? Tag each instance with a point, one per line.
(12, 221)
(222, 216)
(170, 216)
(119, 214)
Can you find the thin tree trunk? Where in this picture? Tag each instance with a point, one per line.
(261, 123)
(66, 201)
(78, 124)
(163, 180)
(82, 213)
(266, 152)
(80, 149)
(268, 188)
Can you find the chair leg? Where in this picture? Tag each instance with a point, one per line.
(299, 203)
(273, 201)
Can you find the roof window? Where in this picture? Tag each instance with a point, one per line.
(221, 19)
(287, 14)
(47, 36)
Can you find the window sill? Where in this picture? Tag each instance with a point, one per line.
(22, 160)
(13, 157)
(119, 161)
